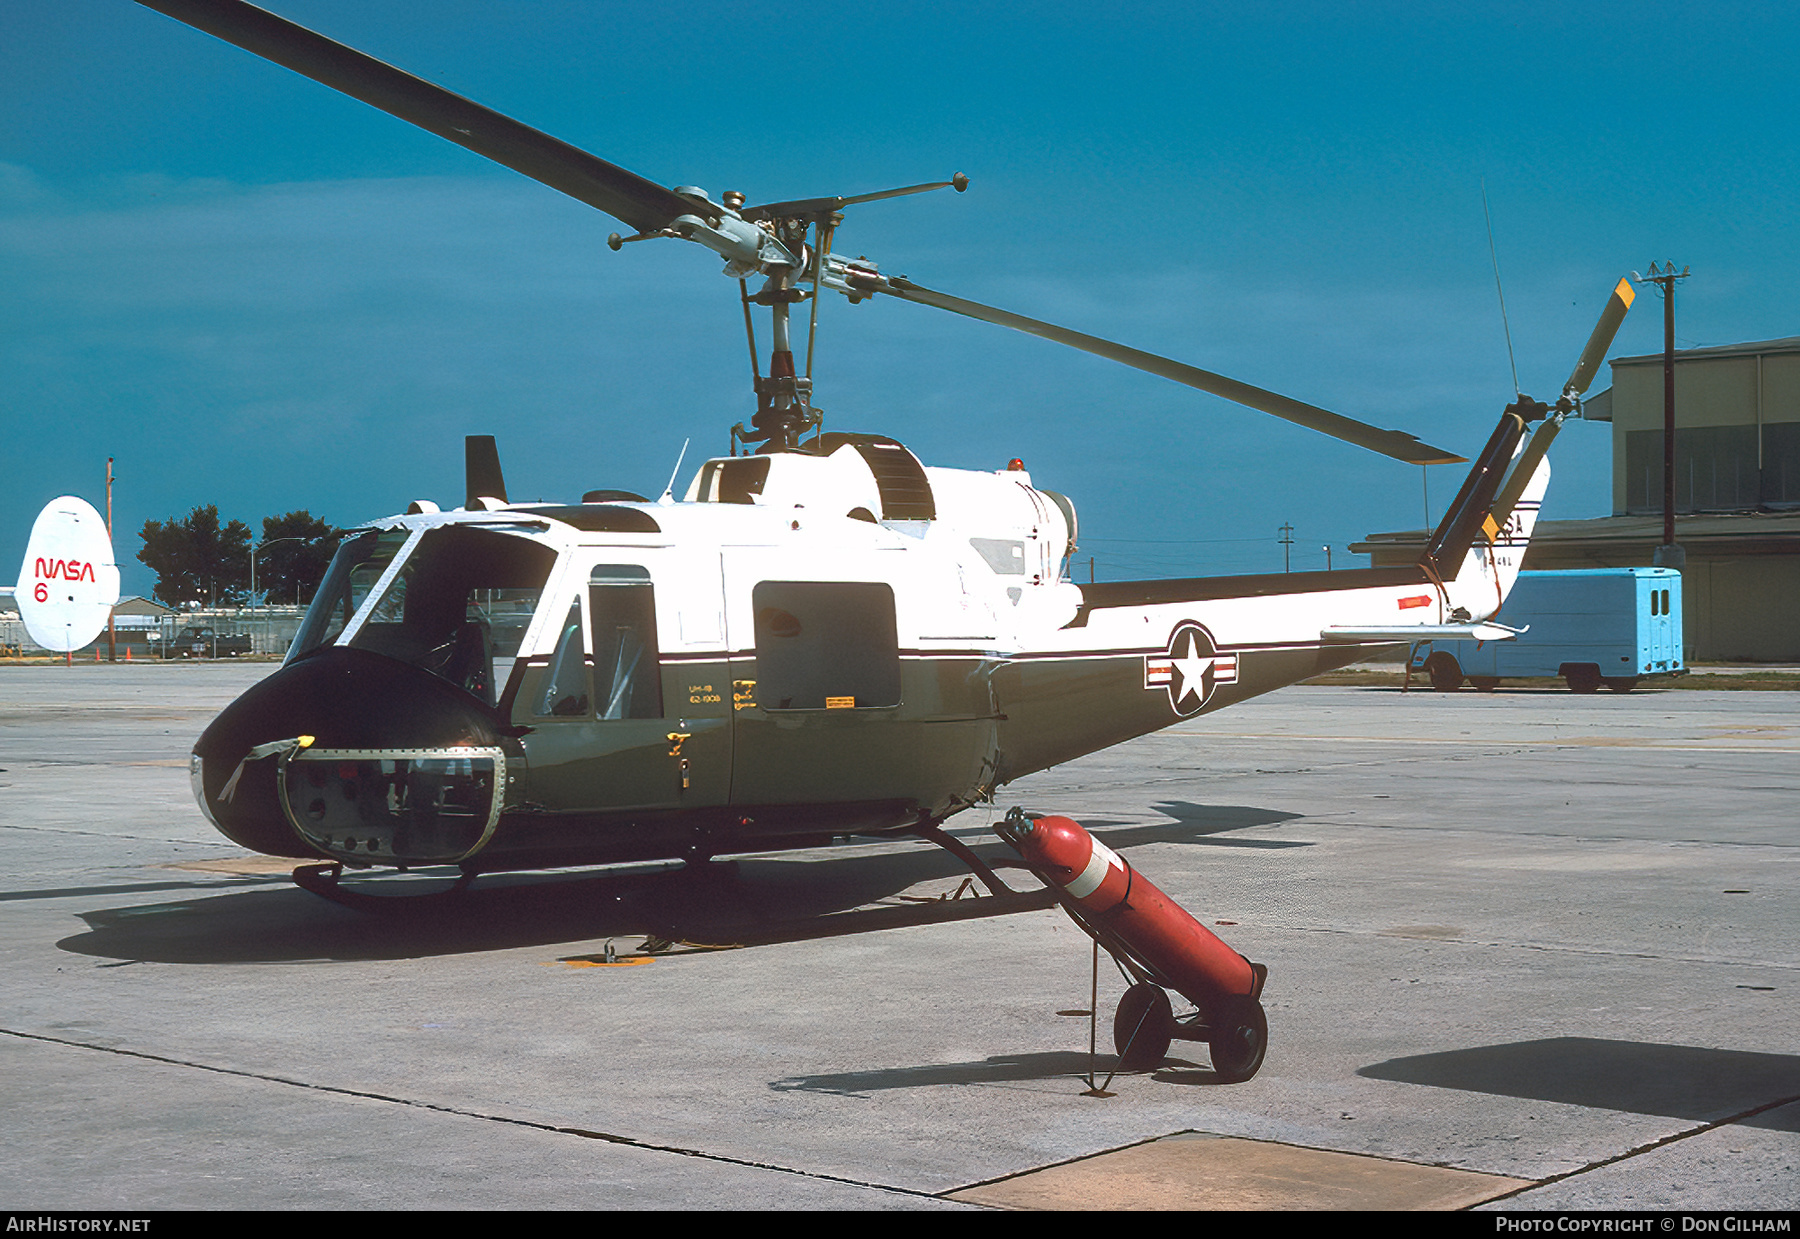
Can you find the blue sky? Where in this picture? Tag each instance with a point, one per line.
(256, 293)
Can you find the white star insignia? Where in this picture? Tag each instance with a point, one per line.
(1192, 668)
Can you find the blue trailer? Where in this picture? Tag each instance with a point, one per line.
(1591, 626)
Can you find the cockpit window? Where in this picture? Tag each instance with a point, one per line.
(357, 566)
(459, 606)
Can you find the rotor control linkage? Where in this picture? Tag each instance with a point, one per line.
(615, 242)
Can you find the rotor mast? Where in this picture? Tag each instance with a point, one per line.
(784, 409)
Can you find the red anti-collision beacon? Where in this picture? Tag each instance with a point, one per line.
(1155, 928)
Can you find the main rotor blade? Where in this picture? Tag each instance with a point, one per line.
(1395, 443)
(624, 195)
(1602, 339)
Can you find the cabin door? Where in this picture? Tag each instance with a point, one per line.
(628, 709)
(816, 689)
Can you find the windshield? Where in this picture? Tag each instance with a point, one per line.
(459, 606)
(354, 570)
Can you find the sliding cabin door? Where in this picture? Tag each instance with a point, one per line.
(627, 701)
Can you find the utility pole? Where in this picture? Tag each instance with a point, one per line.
(1287, 543)
(1668, 555)
(112, 639)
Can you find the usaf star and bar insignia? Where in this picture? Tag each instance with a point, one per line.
(1191, 669)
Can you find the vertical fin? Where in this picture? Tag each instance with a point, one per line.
(1455, 534)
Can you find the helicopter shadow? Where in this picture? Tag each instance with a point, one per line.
(754, 901)
(1207, 825)
(1638, 1077)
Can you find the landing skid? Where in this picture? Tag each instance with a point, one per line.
(322, 880)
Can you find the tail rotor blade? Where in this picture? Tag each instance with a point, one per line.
(1601, 340)
(1526, 465)
(1522, 470)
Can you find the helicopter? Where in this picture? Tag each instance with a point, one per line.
(823, 637)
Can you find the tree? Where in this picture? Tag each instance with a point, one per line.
(300, 549)
(197, 560)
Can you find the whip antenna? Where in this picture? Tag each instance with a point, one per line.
(668, 495)
(1504, 326)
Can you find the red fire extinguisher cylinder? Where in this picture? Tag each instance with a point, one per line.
(1157, 930)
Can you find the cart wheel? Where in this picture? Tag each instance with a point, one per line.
(1446, 675)
(1485, 683)
(1143, 1026)
(1582, 679)
(1621, 683)
(1240, 1036)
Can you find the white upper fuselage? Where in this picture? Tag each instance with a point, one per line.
(987, 574)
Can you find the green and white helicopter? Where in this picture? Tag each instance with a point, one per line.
(823, 637)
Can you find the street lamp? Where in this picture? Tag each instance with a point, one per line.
(259, 546)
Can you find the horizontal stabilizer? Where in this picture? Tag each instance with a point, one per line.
(1424, 632)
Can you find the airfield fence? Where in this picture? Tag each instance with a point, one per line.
(271, 631)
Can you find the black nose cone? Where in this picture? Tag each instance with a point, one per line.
(343, 699)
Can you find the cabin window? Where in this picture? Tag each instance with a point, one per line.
(1005, 557)
(627, 669)
(566, 690)
(459, 606)
(824, 645)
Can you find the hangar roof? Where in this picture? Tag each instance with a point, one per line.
(1787, 344)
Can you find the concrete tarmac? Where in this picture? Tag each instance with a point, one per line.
(1527, 950)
